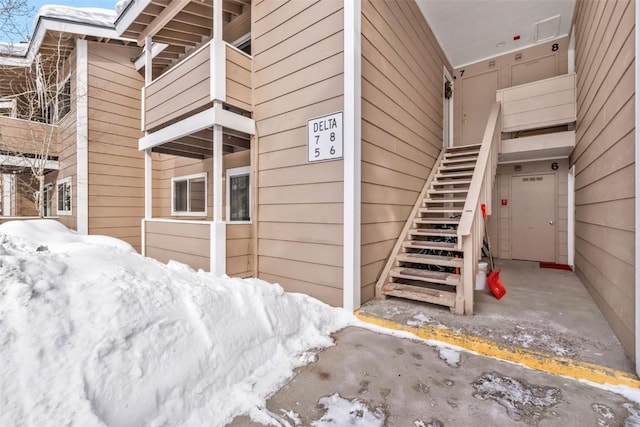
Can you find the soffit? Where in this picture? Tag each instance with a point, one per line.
(187, 29)
(472, 30)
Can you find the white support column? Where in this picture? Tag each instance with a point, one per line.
(217, 19)
(218, 261)
(571, 210)
(218, 71)
(148, 160)
(82, 138)
(352, 155)
(637, 199)
(148, 184)
(148, 61)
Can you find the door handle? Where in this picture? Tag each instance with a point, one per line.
(550, 222)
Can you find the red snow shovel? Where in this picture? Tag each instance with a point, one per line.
(496, 286)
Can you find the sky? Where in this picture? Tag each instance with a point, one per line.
(37, 4)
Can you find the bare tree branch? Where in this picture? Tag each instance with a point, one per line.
(15, 20)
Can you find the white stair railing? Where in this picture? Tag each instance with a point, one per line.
(471, 227)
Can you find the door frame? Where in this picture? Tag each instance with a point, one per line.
(447, 111)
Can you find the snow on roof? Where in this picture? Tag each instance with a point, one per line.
(13, 49)
(81, 15)
(122, 5)
(95, 334)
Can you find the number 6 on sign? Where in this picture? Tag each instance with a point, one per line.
(324, 138)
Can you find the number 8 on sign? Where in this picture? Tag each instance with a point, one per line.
(324, 137)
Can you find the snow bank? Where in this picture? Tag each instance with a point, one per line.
(83, 15)
(93, 334)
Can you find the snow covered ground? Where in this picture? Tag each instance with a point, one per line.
(93, 334)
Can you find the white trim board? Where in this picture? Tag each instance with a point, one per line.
(351, 269)
(205, 119)
(637, 198)
(25, 162)
(82, 137)
(55, 24)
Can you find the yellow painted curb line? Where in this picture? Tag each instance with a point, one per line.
(532, 359)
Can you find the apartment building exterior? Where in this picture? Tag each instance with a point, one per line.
(236, 93)
(94, 172)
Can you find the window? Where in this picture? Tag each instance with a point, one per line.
(46, 200)
(239, 194)
(64, 196)
(61, 106)
(189, 195)
(64, 98)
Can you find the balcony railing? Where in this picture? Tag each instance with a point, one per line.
(544, 103)
(530, 108)
(186, 88)
(190, 242)
(28, 137)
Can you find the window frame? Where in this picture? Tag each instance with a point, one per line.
(60, 98)
(53, 111)
(58, 184)
(189, 178)
(47, 200)
(239, 171)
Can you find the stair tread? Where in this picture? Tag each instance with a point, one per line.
(433, 232)
(420, 274)
(425, 244)
(430, 259)
(445, 200)
(456, 182)
(454, 154)
(437, 220)
(455, 161)
(456, 174)
(431, 210)
(419, 293)
(450, 190)
(459, 148)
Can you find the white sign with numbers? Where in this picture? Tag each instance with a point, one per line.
(324, 138)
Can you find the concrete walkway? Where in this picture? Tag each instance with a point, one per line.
(371, 379)
(546, 313)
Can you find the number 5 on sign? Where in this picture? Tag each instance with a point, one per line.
(324, 138)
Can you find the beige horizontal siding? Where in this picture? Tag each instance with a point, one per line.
(238, 71)
(184, 88)
(604, 160)
(187, 243)
(28, 137)
(544, 103)
(116, 167)
(67, 128)
(239, 250)
(297, 75)
(402, 68)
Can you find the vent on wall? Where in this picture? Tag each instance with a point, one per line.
(547, 28)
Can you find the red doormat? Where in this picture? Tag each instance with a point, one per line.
(556, 266)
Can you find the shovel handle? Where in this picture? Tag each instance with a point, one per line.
(484, 210)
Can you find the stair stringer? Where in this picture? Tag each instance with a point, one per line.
(404, 234)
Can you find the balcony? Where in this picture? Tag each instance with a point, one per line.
(26, 137)
(187, 87)
(190, 242)
(537, 119)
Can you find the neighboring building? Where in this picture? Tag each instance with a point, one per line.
(231, 181)
(94, 181)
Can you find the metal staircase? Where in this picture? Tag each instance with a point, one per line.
(430, 261)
